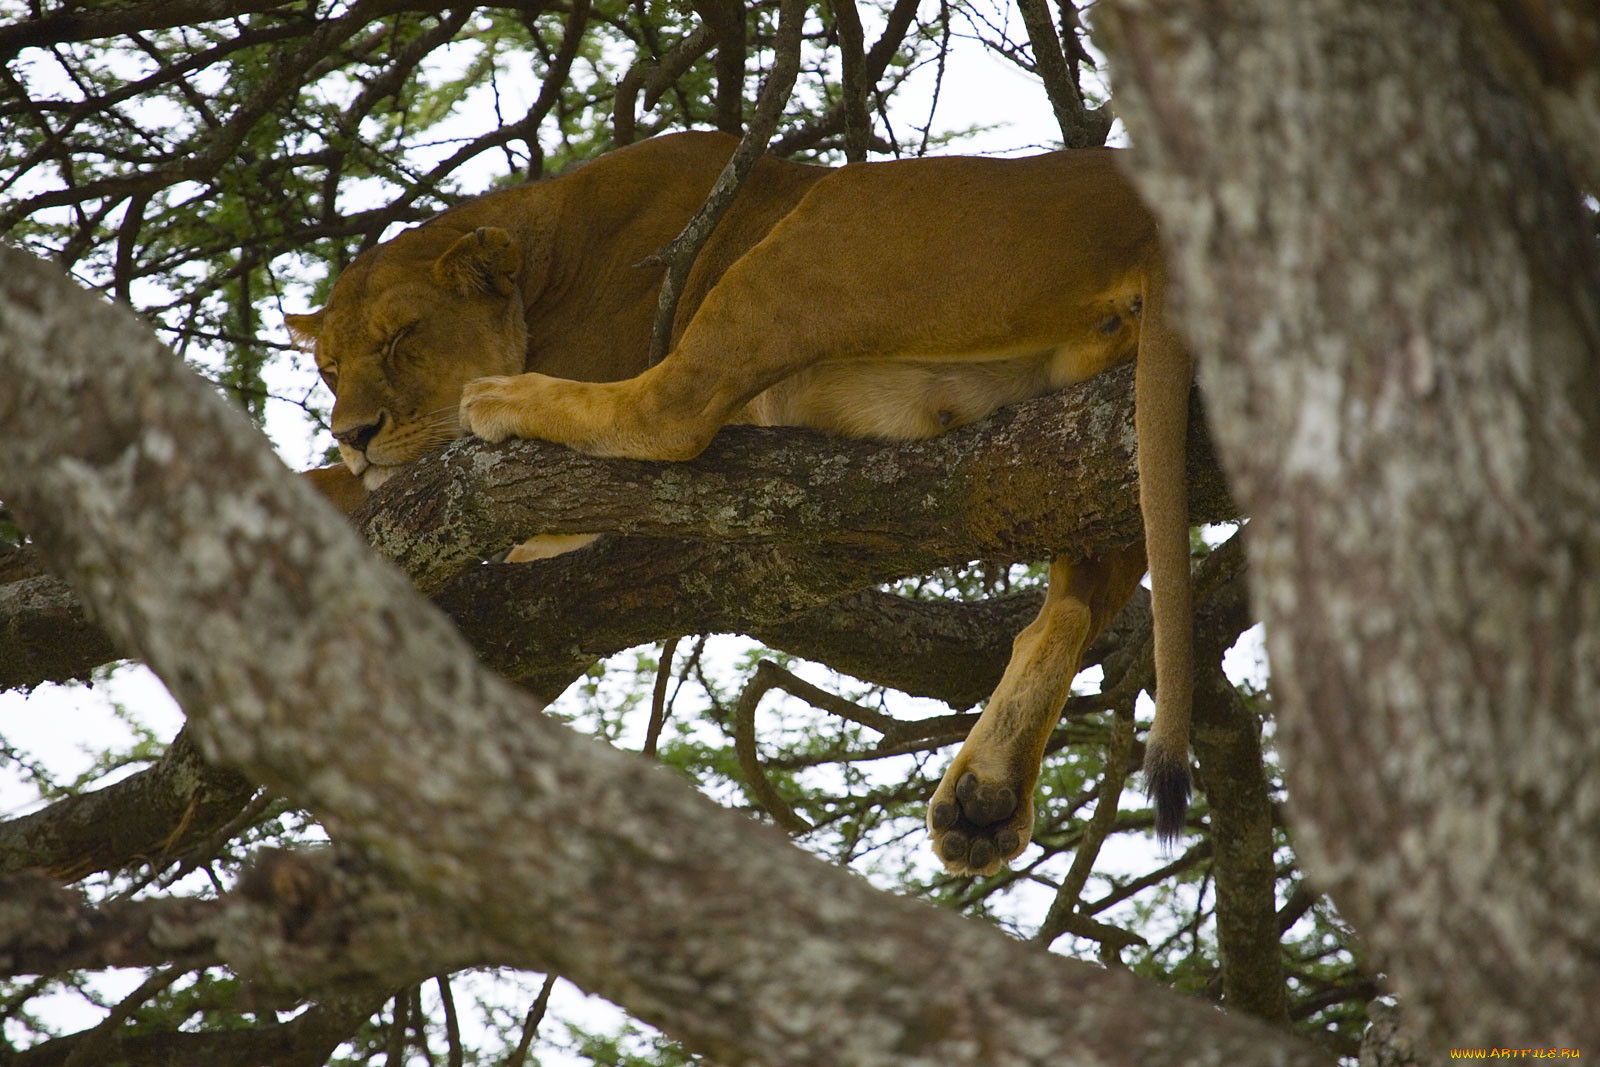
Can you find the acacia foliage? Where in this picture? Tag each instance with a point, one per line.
(215, 164)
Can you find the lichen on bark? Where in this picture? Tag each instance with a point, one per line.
(1392, 289)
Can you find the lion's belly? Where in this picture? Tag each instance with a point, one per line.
(910, 398)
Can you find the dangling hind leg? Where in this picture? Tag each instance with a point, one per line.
(981, 815)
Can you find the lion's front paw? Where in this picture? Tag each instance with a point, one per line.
(979, 822)
(496, 408)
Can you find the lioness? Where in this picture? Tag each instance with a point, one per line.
(891, 299)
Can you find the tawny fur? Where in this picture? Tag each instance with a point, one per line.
(892, 299)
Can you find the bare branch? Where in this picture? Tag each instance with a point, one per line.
(654, 78)
(154, 816)
(1080, 127)
(1063, 915)
(555, 78)
(530, 1023)
(221, 144)
(726, 18)
(873, 66)
(79, 24)
(767, 676)
(852, 54)
(679, 256)
(658, 697)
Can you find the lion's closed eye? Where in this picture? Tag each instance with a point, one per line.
(391, 348)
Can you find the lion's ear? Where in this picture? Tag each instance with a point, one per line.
(485, 260)
(304, 328)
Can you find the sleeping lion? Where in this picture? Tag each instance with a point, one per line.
(886, 299)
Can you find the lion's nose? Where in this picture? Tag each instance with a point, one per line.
(359, 437)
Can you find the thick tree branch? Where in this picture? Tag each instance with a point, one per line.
(946, 650)
(154, 816)
(45, 929)
(567, 854)
(45, 635)
(72, 23)
(1054, 475)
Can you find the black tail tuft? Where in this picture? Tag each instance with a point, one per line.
(1166, 780)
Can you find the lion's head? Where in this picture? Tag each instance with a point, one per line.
(406, 326)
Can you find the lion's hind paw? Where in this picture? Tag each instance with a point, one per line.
(978, 826)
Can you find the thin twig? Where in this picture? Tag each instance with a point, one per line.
(679, 256)
(1200, 850)
(658, 697)
(938, 75)
(1064, 909)
(655, 77)
(452, 1025)
(92, 1044)
(530, 1024)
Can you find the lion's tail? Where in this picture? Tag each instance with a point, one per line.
(1161, 394)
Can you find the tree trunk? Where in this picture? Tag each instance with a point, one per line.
(1392, 291)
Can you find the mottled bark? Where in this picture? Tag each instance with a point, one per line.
(154, 817)
(46, 929)
(303, 661)
(1386, 1042)
(45, 636)
(1393, 294)
(1226, 736)
(1227, 745)
(1550, 50)
(1053, 475)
